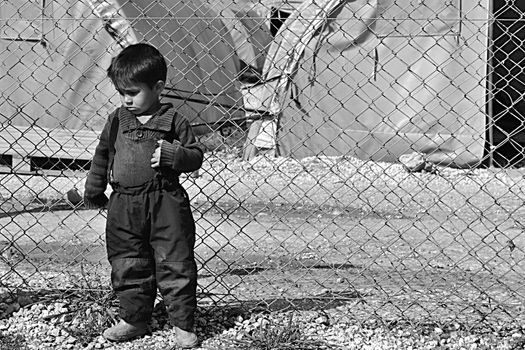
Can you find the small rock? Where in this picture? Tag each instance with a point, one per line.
(60, 339)
(65, 318)
(336, 212)
(432, 343)
(100, 339)
(48, 339)
(413, 162)
(323, 320)
(71, 340)
(37, 307)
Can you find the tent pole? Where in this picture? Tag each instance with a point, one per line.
(489, 94)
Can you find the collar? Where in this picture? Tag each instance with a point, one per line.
(161, 120)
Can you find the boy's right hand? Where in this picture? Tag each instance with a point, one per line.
(155, 157)
(96, 202)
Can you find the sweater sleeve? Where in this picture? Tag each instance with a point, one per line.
(97, 178)
(184, 154)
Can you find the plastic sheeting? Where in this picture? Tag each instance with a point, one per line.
(57, 77)
(384, 78)
(203, 65)
(248, 29)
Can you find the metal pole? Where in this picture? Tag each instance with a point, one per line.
(489, 94)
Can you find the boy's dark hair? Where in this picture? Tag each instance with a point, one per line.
(138, 63)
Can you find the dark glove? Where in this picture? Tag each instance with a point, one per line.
(99, 201)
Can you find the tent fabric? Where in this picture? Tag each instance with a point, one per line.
(259, 36)
(251, 38)
(262, 7)
(58, 78)
(287, 50)
(239, 35)
(283, 5)
(203, 66)
(384, 78)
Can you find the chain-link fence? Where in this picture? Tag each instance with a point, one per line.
(364, 153)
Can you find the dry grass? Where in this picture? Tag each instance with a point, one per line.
(271, 335)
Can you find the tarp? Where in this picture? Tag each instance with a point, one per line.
(283, 5)
(383, 78)
(203, 64)
(53, 60)
(248, 29)
(261, 7)
(52, 66)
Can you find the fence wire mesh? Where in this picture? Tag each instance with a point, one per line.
(362, 153)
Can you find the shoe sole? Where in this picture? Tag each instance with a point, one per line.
(125, 339)
(187, 346)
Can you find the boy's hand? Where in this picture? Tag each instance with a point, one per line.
(96, 202)
(155, 157)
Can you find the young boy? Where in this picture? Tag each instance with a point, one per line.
(150, 232)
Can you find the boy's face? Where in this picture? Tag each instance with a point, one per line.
(140, 99)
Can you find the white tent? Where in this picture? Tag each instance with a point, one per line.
(54, 56)
(377, 79)
(248, 29)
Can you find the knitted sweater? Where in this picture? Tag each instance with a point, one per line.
(182, 154)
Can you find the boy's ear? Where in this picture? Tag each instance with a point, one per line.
(159, 86)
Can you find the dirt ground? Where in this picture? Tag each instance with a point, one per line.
(278, 233)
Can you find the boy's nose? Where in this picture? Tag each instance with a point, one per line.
(128, 100)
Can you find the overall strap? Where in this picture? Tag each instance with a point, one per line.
(113, 130)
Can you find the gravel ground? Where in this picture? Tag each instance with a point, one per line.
(35, 327)
(315, 199)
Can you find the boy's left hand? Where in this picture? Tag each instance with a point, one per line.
(155, 157)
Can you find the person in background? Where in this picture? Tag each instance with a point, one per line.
(150, 231)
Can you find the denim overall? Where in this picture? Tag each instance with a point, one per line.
(150, 234)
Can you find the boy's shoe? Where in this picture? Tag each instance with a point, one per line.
(185, 339)
(124, 331)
